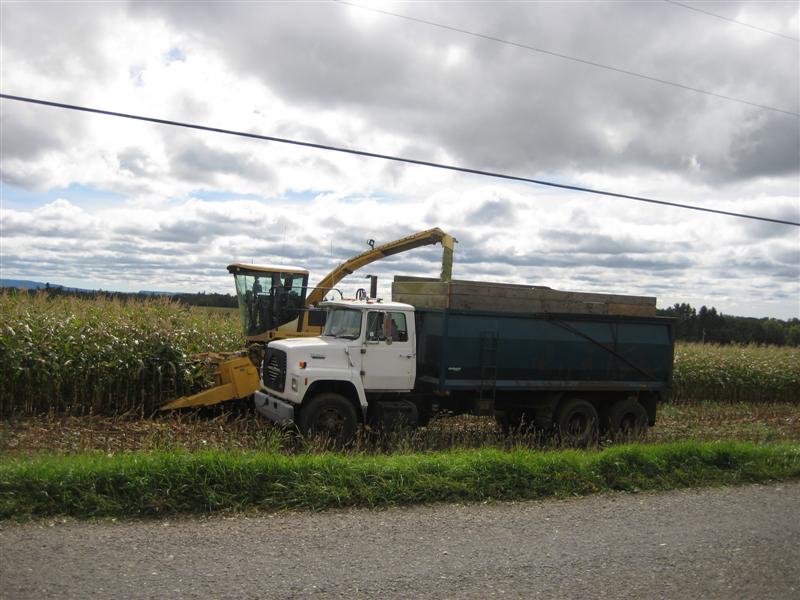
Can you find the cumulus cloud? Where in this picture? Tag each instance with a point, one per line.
(525, 110)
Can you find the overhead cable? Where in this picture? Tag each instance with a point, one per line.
(412, 161)
(742, 23)
(571, 58)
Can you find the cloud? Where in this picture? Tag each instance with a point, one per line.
(24, 134)
(526, 111)
(600, 243)
(767, 147)
(186, 246)
(783, 209)
(202, 163)
(494, 211)
(136, 162)
(58, 219)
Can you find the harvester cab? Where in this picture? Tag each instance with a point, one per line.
(271, 300)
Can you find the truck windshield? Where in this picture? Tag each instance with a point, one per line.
(343, 323)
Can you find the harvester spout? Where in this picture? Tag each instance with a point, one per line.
(448, 245)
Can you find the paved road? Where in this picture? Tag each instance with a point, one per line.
(723, 543)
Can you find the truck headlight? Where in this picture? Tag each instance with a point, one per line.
(294, 384)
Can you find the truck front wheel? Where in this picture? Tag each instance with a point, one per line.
(576, 421)
(331, 415)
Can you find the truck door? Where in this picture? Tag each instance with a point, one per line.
(389, 353)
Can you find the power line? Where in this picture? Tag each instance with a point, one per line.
(412, 161)
(742, 23)
(567, 57)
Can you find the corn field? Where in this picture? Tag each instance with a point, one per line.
(70, 355)
(710, 372)
(75, 356)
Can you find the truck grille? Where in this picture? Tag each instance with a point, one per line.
(274, 371)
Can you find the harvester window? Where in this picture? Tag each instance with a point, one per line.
(268, 300)
(294, 284)
(257, 289)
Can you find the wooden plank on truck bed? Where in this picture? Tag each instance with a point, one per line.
(509, 290)
(632, 310)
(422, 300)
(540, 293)
(515, 298)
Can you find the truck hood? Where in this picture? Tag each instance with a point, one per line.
(312, 344)
(317, 351)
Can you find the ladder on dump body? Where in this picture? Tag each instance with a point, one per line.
(488, 387)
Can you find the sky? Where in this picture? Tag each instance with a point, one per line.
(101, 202)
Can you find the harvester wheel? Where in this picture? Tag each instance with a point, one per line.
(576, 421)
(330, 415)
(627, 420)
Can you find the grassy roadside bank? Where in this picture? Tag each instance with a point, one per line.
(157, 483)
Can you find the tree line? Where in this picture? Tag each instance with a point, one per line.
(192, 299)
(708, 325)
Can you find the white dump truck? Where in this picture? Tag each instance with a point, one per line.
(577, 371)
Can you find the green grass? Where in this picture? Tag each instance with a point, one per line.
(157, 483)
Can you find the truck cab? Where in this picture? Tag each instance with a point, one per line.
(365, 357)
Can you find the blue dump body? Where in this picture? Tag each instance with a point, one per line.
(470, 350)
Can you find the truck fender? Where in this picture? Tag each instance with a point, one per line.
(345, 387)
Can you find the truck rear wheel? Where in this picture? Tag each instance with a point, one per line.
(627, 420)
(331, 415)
(577, 422)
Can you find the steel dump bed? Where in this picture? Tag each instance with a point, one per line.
(474, 350)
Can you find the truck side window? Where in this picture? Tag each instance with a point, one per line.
(399, 329)
(375, 327)
(382, 325)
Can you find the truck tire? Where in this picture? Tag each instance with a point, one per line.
(627, 420)
(576, 421)
(331, 415)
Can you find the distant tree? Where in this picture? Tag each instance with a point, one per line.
(686, 325)
(793, 334)
(712, 326)
(774, 332)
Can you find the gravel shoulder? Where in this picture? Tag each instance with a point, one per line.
(738, 542)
